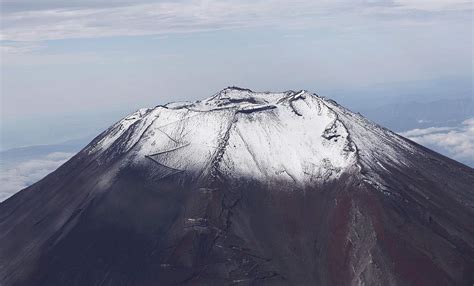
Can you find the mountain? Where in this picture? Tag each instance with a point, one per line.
(244, 188)
(405, 116)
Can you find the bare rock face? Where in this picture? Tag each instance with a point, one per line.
(244, 188)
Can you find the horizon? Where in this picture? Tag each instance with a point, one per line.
(69, 70)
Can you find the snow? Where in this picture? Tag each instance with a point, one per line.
(282, 145)
(377, 147)
(118, 129)
(290, 136)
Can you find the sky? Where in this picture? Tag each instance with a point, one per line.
(69, 69)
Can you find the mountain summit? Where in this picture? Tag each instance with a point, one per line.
(244, 188)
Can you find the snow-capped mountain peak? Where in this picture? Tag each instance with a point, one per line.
(292, 136)
(288, 136)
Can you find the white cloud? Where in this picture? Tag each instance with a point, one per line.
(19, 47)
(455, 142)
(22, 175)
(434, 5)
(425, 131)
(96, 20)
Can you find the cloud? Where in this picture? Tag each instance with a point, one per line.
(425, 131)
(19, 47)
(53, 20)
(455, 142)
(23, 174)
(434, 5)
(141, 19)
(32, 5)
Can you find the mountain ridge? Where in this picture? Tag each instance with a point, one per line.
(294, 190)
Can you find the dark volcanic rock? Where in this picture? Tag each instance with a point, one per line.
(299, 191)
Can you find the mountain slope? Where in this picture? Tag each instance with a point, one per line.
(244, 188)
